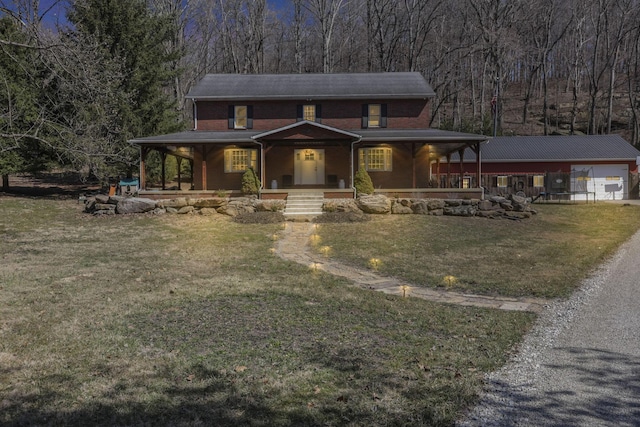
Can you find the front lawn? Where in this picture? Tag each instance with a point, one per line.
(192, 320)
(545, 256)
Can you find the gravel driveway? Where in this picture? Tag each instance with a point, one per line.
(580, 365)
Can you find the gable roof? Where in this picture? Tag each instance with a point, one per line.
(514, 149)
(240, 87)
(335, 132)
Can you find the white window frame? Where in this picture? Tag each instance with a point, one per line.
(376, 159)
(309, 112)
(240, 116)
(238, 160)
(375, 115)
(502, 181)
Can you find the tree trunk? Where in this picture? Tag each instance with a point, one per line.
(5, 181)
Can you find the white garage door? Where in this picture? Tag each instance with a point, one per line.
(608, 182)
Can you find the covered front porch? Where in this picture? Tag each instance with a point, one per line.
(310, 156)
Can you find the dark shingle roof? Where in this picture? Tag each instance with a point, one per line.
(311, 86)
(553, 149)
(198, 136)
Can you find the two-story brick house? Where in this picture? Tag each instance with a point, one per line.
(312, 131)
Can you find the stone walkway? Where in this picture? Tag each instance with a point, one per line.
(293, 245)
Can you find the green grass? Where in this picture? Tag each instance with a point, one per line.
(545, 256)
(191, 320)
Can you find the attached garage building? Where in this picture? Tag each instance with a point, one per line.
(579, 167)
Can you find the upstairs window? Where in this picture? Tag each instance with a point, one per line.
(240, 159)
(240, 116)
(374, 116)
(378, 159)
(309, 112)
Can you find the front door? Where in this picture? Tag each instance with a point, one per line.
(309, 167)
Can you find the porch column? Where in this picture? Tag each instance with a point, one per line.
(191, 169)
(448, 185)
(179, 161)
(164, 170)
(461, 154)
(476, 149)
(143, 179)
(204, 167)
(438, 172)
(413, 164)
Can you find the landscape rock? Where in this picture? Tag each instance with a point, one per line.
(400, 209)
(186, 210)
(132, 205)
(374, 204)
(208, 211)
(214, 202)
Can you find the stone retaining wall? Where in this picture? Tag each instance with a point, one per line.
(513, 207)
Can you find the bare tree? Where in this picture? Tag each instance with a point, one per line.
(326, 13)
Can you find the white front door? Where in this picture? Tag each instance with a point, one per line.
(309, 167)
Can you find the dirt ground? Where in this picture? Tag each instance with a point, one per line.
(64, 185)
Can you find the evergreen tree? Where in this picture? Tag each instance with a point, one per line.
(22, 125)
(139, 40)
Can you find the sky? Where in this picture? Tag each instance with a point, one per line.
(54, 10)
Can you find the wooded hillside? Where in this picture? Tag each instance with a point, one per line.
(78, 84)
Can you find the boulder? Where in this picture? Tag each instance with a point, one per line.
(214, 202)
(374, 204)
(102, 198)
(270, 205)
(399, 208)
(485, 205)
(420, 207)
(208, 211)
(462, 210)
(435, 204)
(177, 203)
(186, 210)
(237, 207)
(132, 205)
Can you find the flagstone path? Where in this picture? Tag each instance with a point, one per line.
(293, 245)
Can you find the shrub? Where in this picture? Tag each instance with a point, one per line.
(363, 182)
(250, 182)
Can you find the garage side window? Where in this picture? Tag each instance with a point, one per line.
(240, 159)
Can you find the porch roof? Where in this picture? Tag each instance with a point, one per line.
(199, 137)
(443, 141)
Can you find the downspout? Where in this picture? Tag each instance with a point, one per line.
(353, 187)
(195, 115)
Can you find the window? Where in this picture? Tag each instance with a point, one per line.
(240, 159)
(466, 182)
(240, 116)
(502, 181)
(375, 159)
(538, 180)
(374, 116)
(309, 113)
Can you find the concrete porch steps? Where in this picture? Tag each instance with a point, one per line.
(302, 205)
